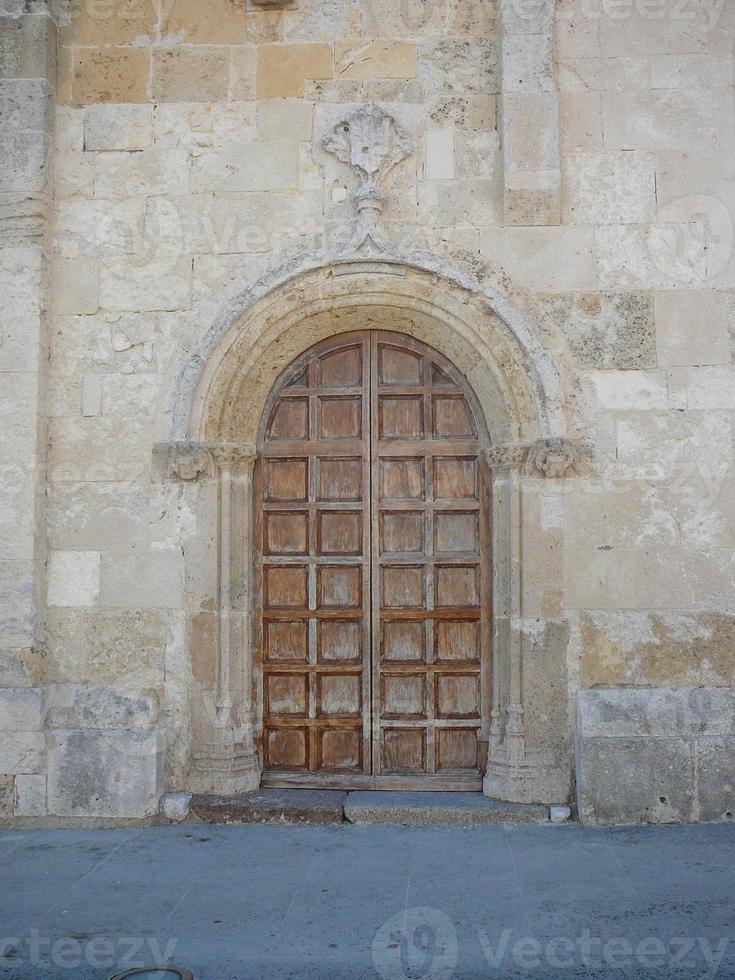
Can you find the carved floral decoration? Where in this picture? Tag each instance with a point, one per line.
(372, 142)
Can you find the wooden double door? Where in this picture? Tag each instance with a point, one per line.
(373, 565)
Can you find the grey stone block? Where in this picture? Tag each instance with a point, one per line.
(105, 773)
(282, 806)
(715, 766)
(635, 780)
(21, 709)
(642, 712)
(433, 809)
(22, 752)
(77, 706)
(28, 47)
(175, 806)
(30, 796)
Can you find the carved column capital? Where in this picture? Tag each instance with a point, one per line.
(507, 457)
(231, 455)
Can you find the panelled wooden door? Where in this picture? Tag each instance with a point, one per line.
(374, 570)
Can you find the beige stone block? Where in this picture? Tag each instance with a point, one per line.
(110, 23)
(629, 390)
(18, 604)
(156, 280)
(243, 72)
(75, 286)
(692, 328)
(264, 26)
(73, 175)
(282, 68)
(285, 120)
(528, 63)
(449, 203)
(482, 112)
(531, 133)
(711, 387)
(691, 71)
(109, 75)
(22, 275)
(666, 119)
(580, 120)
(141, 579)
(126, 647)
(609, 188)
(154, 170)
(375, 59)
(98, 449)
(546, 259)
(639, 33)
(29, 797)
(217, 22)
(69, 129)
(439, 154)
(64, 644)
(250, 167)
(203, 124)
(73, 578)
(118, 127)
(532, 199)
(191, 75)
(93, 228)
(604, 74)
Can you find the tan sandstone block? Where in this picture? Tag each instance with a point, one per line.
(376, 59)
(283, 68)
(109, 75)
(191, 75)
(244, 67)
(110, 23)
(213, 22)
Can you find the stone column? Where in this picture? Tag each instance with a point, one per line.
(225, 759)
(27, 84)
(515, 772)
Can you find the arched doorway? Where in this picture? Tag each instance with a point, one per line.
(373, 632)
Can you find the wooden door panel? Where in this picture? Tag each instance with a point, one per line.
(315, 556)
(375, 601)
(428, 603)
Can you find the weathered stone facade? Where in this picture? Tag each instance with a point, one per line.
(195, 193)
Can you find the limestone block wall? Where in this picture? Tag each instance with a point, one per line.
(583, 152)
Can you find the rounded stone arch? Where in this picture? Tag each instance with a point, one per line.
(220, 391)
(220, 396)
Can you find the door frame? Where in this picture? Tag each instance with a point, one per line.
(385, 781)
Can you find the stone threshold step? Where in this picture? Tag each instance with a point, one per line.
(309, 806)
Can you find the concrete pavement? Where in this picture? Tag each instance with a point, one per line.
(267, 902)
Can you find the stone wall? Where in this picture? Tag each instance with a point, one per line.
(582, 154)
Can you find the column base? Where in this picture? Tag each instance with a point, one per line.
(224, 766)
(532, 781)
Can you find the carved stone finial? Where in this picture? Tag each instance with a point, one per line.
(372, 143)
(553, 457)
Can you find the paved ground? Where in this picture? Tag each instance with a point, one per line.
(368, 902)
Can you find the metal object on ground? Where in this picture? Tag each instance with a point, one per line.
(155, 973)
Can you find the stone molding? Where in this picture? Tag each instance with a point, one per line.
(188, 461)
(552, 457)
